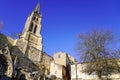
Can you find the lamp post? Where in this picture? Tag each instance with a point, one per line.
(76, 69)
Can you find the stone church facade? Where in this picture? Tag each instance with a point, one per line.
(24, 58)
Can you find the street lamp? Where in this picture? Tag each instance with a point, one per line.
(76, 69)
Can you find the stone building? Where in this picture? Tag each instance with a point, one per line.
(30, 37)
(58, 70)
(24, 58)
(77, 74)
(63, 58)
(61, 65)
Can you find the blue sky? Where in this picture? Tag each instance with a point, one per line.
(62, 20)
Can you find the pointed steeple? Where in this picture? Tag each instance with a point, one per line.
(37, 8)
(31, 37)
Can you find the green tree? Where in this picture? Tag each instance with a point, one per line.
(93, 50)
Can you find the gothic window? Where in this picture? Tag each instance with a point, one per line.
(33, 18)
(35, 28)
(37, 19)
(31, 27)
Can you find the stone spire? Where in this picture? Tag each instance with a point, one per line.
(37, 8)
(32, 29)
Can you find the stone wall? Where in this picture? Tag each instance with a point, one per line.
(60, 58)
(76, 72)
(56, 69)
(33, 54)
(45, 63)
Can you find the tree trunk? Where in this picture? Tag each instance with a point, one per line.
(99, 77)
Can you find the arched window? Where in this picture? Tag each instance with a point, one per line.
(37, 19)
(35, 28)
(31, 27)
(34, 18)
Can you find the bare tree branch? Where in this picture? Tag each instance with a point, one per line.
(93, 50)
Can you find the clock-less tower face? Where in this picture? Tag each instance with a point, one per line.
(33, 39)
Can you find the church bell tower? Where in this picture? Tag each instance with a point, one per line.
(30, 40)
(32, 28)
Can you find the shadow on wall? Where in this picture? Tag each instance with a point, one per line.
(3, 68)
(3, 60)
